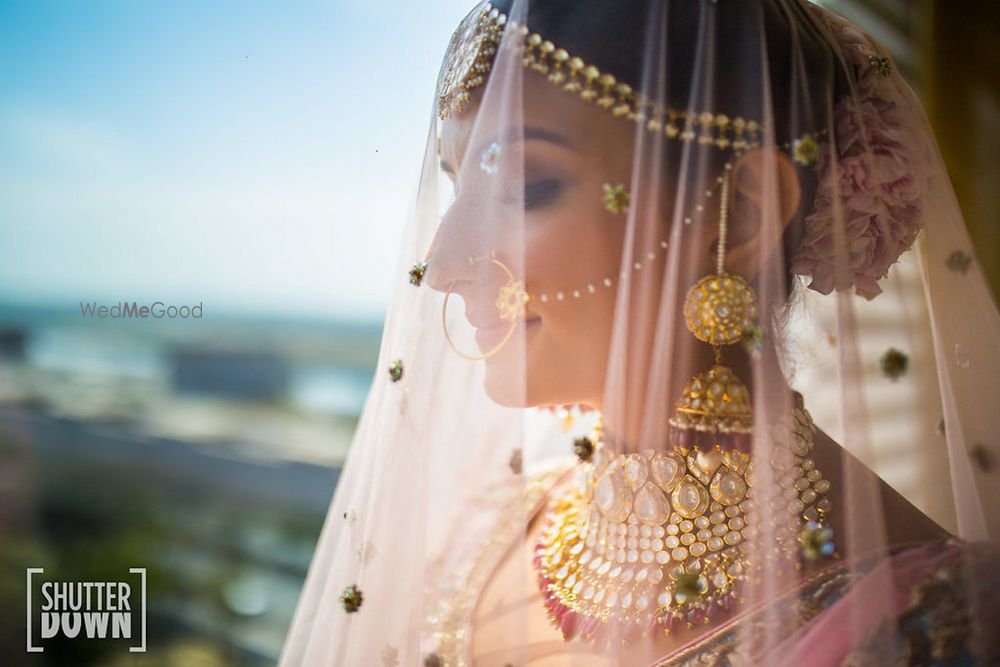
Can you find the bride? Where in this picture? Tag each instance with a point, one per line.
(651, 240)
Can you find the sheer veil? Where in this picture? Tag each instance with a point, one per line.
(686, 318)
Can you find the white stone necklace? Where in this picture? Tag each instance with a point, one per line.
(658, 538)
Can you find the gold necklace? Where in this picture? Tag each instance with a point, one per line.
(658, 538)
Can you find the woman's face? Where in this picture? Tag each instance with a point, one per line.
(556, 236)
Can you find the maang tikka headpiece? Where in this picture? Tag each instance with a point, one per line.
(477, 40)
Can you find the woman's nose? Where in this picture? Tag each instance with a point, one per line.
(447, 257)
(465, 234)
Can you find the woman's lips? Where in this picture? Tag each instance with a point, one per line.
(489, 337)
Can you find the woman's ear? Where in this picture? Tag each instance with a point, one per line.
(763, 198)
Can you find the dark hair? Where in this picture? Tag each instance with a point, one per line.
(789, 52)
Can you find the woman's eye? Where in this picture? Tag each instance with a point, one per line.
(540, 193)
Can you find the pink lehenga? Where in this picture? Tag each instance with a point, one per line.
(690, 362)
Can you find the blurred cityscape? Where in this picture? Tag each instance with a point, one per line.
(204, 451)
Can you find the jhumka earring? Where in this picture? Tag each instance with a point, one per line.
(510, 304)
(718, 309)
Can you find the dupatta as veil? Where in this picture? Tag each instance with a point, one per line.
(680, 277)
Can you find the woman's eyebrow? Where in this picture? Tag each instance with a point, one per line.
(530, 133)
(527, 134)
(543, 134)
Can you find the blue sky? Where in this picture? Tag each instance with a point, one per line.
(254, 155)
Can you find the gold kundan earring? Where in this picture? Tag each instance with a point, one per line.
(718, 309)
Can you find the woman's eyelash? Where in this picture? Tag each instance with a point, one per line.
(539, 193)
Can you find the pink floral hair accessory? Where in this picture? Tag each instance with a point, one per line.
(869, 178)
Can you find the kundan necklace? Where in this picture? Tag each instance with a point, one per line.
(661, 538)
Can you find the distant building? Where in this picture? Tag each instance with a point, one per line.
(237, 374)
(13, 343)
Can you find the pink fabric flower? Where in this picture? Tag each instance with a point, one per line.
(869, 180)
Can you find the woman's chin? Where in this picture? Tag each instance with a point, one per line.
(507, 381)
(506, 384)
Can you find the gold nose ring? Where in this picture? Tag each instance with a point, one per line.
(510, 303)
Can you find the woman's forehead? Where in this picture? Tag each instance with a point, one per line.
(544, 111)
